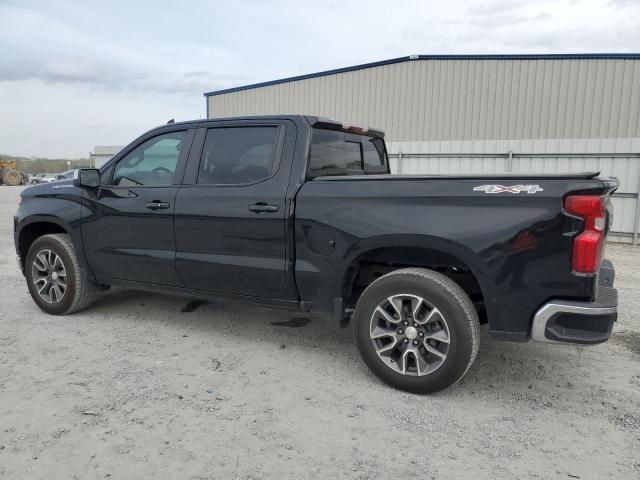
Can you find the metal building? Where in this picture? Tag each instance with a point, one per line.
(480, 113)
(102, 154)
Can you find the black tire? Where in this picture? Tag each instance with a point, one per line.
(461, 321)
(78, 293)
(12, 178)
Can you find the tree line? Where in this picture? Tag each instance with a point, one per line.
(45, 165)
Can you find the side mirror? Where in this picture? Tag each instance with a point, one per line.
(87, 177)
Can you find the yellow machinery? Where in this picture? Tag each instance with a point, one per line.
(9, 175)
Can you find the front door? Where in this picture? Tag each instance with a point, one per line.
(230, 221)
(128, 222)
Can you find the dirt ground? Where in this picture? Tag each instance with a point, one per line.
(151, 386)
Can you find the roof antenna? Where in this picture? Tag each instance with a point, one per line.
(171, 121)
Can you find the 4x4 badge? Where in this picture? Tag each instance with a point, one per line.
(508, 189)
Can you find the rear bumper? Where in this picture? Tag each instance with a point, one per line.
(587, 323)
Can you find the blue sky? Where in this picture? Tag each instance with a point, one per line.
(75, 74)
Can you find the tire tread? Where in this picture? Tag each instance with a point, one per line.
(82, 291)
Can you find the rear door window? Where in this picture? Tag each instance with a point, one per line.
(238, 155)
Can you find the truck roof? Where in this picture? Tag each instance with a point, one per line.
(312, 120)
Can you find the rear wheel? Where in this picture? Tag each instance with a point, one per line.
(417, 330)
(56, 282)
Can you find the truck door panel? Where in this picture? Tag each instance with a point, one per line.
(230, 221)
(127, 228)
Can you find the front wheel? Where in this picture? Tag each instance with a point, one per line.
(417, 330)
(56, 282)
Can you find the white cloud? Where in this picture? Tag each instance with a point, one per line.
(79, 73)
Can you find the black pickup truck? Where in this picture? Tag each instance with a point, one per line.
(301, 213)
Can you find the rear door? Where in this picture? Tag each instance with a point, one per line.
(231, 211)
(127, 225)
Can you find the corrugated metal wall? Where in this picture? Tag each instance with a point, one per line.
(466, 115)
(464, 99)
(624, 165)
(102, 154)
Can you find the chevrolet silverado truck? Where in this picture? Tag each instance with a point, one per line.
(302, 213)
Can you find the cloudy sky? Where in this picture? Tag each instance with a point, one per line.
(75, 74)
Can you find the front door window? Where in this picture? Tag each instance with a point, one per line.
(151, 164)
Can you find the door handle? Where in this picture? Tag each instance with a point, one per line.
(262, 207)
(158, 205)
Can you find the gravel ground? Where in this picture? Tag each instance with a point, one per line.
(151, 386)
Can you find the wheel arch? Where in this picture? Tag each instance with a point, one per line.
(386, 254)
(34, 228)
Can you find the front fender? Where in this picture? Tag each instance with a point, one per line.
(47, 206)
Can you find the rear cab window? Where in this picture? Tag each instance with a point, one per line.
(335, 152)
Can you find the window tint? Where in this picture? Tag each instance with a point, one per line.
(105, 175)
(237, 155)
(341, 153)
(152, 163)
(374, 155)
(332, 154)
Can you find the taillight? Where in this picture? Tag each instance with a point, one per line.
(587, 247)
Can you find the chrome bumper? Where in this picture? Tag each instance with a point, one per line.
(587, 323)
(597, 322)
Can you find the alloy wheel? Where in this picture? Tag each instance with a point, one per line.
(49, 276)
(410, 335)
